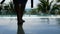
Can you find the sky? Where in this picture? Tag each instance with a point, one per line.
(28, 5)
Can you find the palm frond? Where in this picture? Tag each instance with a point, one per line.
(55, 7)
(58, 0)
(49, 5)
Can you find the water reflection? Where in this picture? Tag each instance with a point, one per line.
(45, 20)
(20, 30)
(58, 21)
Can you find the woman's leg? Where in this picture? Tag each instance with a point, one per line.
(19, 8)
(16, 9)
(21, 11)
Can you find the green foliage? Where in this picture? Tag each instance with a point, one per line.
(46, 7)
(58, 0)
(33, 12)
(6, 7)
(43, 5)
(0, 9)
(11, 8)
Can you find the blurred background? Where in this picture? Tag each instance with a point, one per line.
(41, 8)
(43, 18)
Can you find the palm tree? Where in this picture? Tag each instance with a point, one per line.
(0, 9)
(58, 0)
(46, 7)
(3, 7)
(54, 9)
(43, 5)
(6, 9)
(11, 8)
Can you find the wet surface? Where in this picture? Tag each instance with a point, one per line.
(31, 26)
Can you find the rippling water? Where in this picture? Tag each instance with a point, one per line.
(31, 26)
